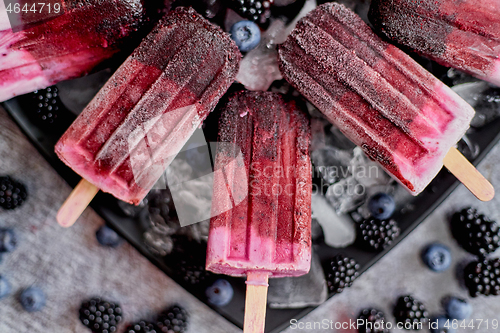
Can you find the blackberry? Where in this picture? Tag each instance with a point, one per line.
(373, 321)
(341, 273)
(475, 232)
(193, 273)
(410, 313)
(483, 277)
(47, 104)
(255, 10)
(100, 315)
(173, 320)
(12, 193)
(375, 235)
(142, 327)
(187, 261)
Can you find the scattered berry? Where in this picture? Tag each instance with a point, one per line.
(173, 320)
(483, 277)
(246, 35)
(108, 237)
(475, 232)
(5, 287)
(142, 327)
(32, 299)
(100, 316)
(188, 265)
(255, 10)
(375, 235)
(12, 193)
(8, 240)
(410, 312)
(47, 104)
(439, 325)
(381, 206)
(341, 273)
(193, 273)
(373, 321)
(437, 257)
(220, 293)
(457, 308)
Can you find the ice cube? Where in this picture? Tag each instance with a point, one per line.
(484, 98)
(367, 172)
(197, 231)
(160, 245)
(331, 163)
(259, 68)
(339, 231)
(468, 148)
(299, 292)
(346, 195)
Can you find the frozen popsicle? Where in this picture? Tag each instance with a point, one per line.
(58, 40)
(464, 34)
(137, 123)
(397, 112)
(262, 195)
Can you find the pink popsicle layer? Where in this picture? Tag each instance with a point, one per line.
(262, 189)
(464, 34)
(138, 122)
(397, 112)
(64, 47)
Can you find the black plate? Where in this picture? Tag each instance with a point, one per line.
(44, 137)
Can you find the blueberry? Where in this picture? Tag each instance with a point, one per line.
(32, 299)
(246, 34)
(220, 293)
(457, 308)
(381, 206)
(108, 237)
(4, 287)
(441, 324)
(437, 257)
(8, 240)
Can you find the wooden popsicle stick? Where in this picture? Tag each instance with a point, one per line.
(255, 302)
(461, 168)
(76, 203)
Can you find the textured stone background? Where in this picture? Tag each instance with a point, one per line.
(69, 265)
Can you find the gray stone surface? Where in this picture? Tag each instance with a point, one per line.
(69, 265)
(299, 292)
(401, 271)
